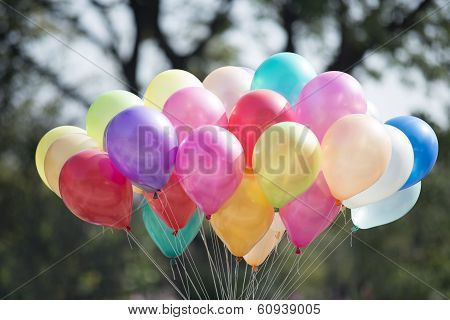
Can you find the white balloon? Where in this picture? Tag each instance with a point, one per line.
(395, 175)
(387, 210)
(373, 111)
(229, 84)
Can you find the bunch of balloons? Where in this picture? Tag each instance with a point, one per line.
(256, 152)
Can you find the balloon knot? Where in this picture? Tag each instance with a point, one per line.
(155, 196)
(175, 233)
(128, 228)
(298, 251)
(276, 209)
(337, 202)
(208, 217)
(355, 228)
(238, 259)
(254, 268)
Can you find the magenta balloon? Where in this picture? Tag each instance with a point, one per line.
(309, 214)
(328, 97)
(210, 164)
(192, 107)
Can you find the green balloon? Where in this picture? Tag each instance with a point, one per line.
(171, 245)
(105, 107)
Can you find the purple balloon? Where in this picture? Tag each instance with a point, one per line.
(142, 144)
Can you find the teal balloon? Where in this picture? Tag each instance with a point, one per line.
(387, 210)
(286, 73)
(171, 245)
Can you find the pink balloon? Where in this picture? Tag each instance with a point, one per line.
(192, 107)
(210, 164)
(309, 214)
(328, 97)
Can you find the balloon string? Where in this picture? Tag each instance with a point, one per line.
(190, 259)
(310, 251)
(153, 261)
(184, 266)
(296, 281)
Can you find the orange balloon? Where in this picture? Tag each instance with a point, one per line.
(356, 151)
(244, 219)
(60, 151)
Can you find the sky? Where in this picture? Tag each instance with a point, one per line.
(82, 65)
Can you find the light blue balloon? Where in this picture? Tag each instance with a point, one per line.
(387, 210)
(424, 143)
(171, 245)
(286, 73)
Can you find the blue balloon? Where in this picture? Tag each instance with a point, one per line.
(286, 73)
(171, 245)
(424, 143)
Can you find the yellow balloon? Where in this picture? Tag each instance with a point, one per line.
(244, 219)
(45, 143)
(356, 151)
(60, 151)
(286, 161)
(137, 190)
(105, 107)
(165, 84)
(264, 247)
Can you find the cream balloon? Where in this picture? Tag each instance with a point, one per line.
(356, 152)
(165, 84)
(264, 247)
(60, 151)
(395, 176)
(229, 84)
(45, 143)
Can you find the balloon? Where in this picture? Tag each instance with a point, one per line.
(286, 73)
(95, 191)
(327, 98)
(424, 143)
(210, 164)
(286, 161)
(356, 152)
(308, 215)
(45, 143)
(373, 111)
(244, 219)
(60, 151)
(386, 210)
(396, 174)
(259, 253)
(104, 108)
(142, 144)
(172, 204)
(254, 113)
(229, 84)
(190, 108)
(165, 84)
(170, 245)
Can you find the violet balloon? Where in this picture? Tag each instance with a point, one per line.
(328, 97)
(309, 214)
(142, 144)
(191, 107)
(210, 164)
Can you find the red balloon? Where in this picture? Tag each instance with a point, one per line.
(172, 204)
(255, 112)
(95, 191)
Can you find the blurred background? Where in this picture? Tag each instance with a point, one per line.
(56, 56)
